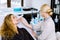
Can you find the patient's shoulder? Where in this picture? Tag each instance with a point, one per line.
(22, 29)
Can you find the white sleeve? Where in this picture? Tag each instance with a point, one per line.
(46, 32)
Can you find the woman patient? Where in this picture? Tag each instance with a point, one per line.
(10, 31)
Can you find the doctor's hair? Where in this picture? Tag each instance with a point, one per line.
(45, 9)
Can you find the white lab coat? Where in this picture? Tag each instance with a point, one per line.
(48, 30)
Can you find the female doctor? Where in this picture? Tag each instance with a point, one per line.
(47, 26)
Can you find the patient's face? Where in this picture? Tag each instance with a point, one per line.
(14, 20)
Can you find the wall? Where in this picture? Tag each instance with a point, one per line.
(32, 3)
(15, 3)
(28, 3)
(3, 1)
(37, 3)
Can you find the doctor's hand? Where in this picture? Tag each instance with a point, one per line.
(34, 34)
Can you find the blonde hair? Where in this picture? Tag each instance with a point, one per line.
(7, 28)
(45, 9)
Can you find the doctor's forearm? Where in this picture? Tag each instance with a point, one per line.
(27, 25)
(24, 21)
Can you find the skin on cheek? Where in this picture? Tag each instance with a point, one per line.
(13, 20)
(41, 14)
